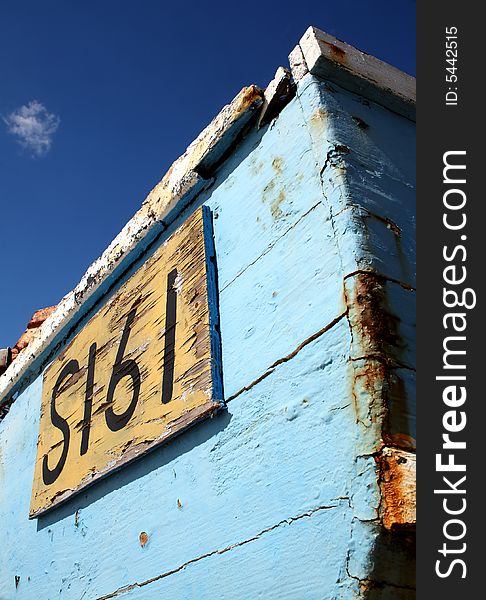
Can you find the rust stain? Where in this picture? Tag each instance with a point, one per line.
(319, 115)
(400, 440)
(275, 206)
(377, 388)
(278, 94)
(337, 54)
(270, 194)
(31, 332)
(277, 164)
(268, 189)
(368, 391)
(396, 470)
(256, 166)
(179, 503)
(5, 407)
(143, 537)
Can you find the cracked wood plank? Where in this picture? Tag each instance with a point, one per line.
(336, 61)
(142, 370)
(398, 487)
(186, 177)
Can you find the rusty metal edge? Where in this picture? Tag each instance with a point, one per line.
(183, 180)
(397, 479)
(324, 56)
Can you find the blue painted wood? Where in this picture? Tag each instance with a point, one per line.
(275, 497)
(213, 302)
(367, 159)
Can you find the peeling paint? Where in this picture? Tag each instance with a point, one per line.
(152, 580)
(317, 349)
(398, 484)
(371, 318)
(361, 123)
(169, 197)
(337, 53)
(194, 375)
(277, 95)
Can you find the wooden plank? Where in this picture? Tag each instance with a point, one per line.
(398, 487)
(179, 186)
(142, 370)
(338, 62)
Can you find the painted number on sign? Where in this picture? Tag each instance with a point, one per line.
(143, 369)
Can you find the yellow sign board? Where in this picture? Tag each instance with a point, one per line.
(143, 369)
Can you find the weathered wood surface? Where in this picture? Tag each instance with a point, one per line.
(335, 61)
(136, 375)
(398, 486)
(179, 186)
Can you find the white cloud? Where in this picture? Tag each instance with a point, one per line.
(33, 127)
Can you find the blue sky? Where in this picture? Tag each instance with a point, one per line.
(97, 98)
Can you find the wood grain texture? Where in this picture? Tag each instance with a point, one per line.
(176, 190)
(288, 471)
(338, 62)
(135, 317)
